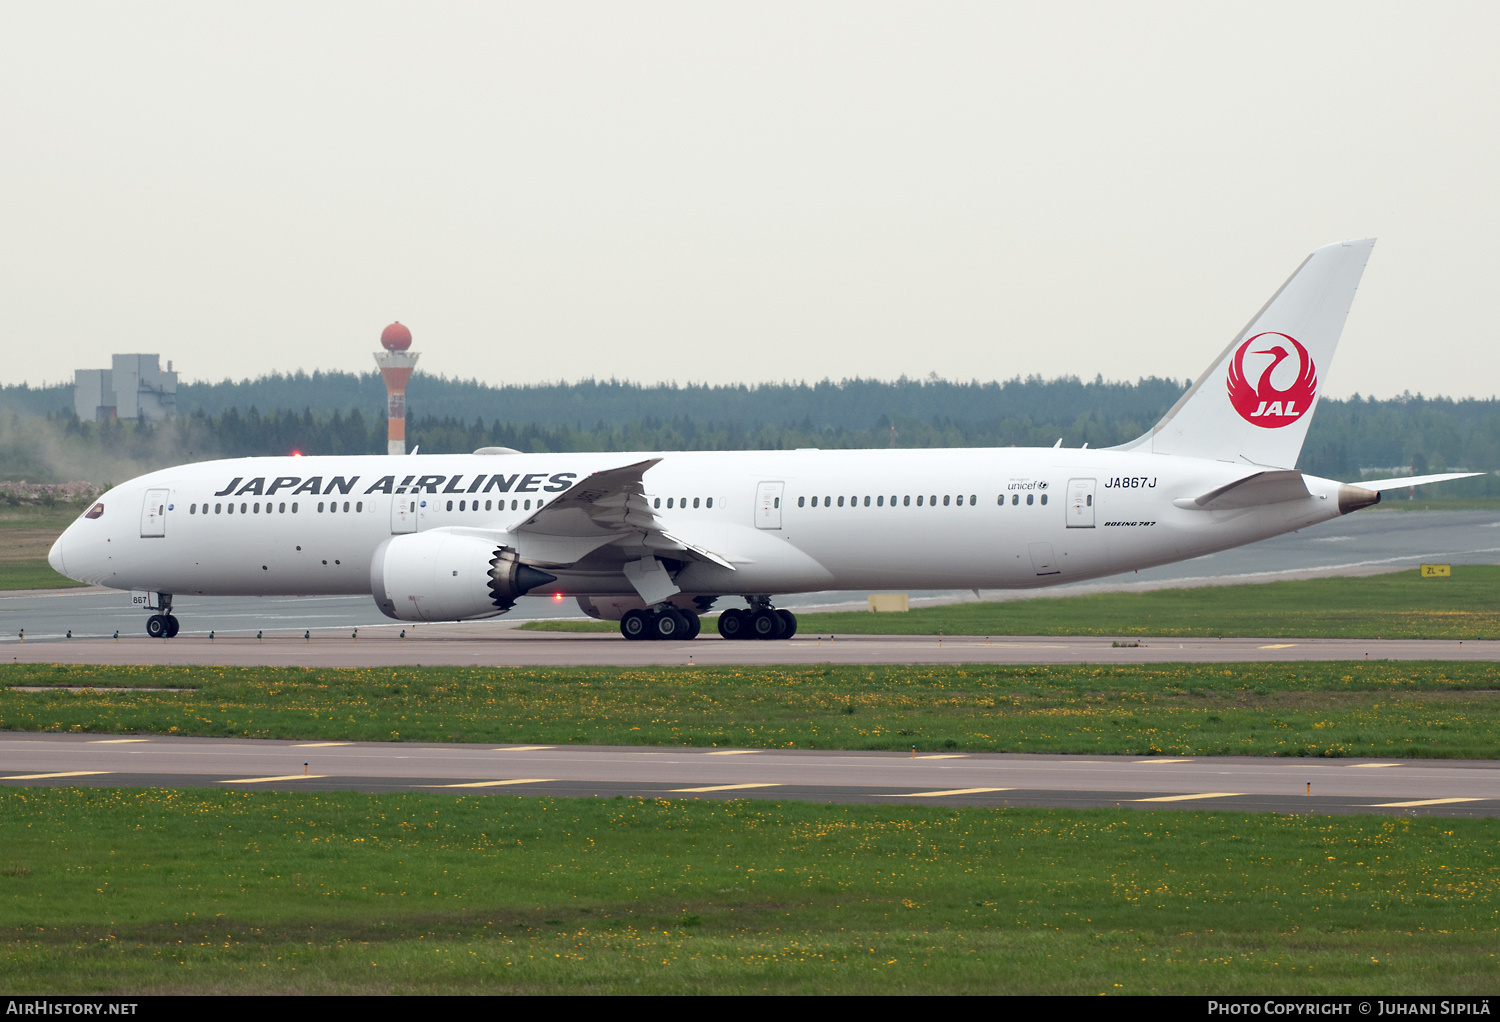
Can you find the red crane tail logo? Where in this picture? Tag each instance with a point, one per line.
(1257, 399)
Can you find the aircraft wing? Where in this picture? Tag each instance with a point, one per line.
(609, 506)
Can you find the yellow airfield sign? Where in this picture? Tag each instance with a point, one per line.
(1437, 571)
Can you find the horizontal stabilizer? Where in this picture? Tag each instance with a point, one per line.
(1402, 483)
(1252, 491)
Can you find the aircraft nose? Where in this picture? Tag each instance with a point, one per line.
(55, 556)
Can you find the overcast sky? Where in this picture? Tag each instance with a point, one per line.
(743, 192)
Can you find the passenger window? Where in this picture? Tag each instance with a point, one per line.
(880, 502)
(294, 507)
(934, 500)
(906, 501)
(320, 507)
(802, 502)
(361, 506)
(462, 504)
(192, 509)
(1000, 499)
(282, 509)
(709, 502)
(1044, 498)
(776, 502)
(346, 506)
(486, 505)
(257, 507)
(946, 498)
(218, 508)
(695, 502)
(1030, 497)
(669, 503)
(514, 504)
(827, 501)
(242, 509)
(657, 502)
(841, 502)
(1089, 500)
(528, 505)
(919, 500)
(867, 502)
(1015, 498)
(973, 499)
(449, 507)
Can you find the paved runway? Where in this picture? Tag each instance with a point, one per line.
(1363, 543)
(1427, 787)
(477, 645)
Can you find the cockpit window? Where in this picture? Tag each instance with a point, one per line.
(94, 512)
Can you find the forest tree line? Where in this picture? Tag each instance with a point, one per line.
(1346, 437)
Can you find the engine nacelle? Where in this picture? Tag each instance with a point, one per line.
(447, 576)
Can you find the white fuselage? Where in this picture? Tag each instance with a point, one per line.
(911, 519)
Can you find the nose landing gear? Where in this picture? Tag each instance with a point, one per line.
(162, 625)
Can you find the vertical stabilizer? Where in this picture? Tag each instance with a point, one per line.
(1256, 400)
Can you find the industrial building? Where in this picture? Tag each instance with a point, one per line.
(134, 388)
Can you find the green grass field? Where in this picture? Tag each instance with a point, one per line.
(197, 891)
(1400, 605)
(1309, 709)
(26, 534)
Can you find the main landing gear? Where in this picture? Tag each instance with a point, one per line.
(162, 625)
(761, 621)
(666, 622)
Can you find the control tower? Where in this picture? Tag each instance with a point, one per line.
(396, 363)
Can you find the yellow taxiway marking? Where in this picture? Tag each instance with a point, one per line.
(115, 741)
(1184, 798)
(524, 748)
(1279, 645)
(1356, 766)
(944, 755)
(1163, 761)
(733, 752)
(950, 791)
(1422, 802)
(65, 773)
(319, 745)
(492, 784)
(283, 777)
(728, 787)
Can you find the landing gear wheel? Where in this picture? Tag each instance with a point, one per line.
(156, 626)
(766, 623)
(635, 625)
(669, 624)
(790, 620)
(172, 626)
(733, 624)
(695, 625)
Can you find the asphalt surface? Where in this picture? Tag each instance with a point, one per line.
(1362, 543)
(1393, 787)
(479, 645)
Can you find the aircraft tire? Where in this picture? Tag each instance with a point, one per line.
(766, 624)
(156, 626)
(172, 626)
(694, 623)
(635, 625)
(732, 624)
(669, 624)
(790, 620)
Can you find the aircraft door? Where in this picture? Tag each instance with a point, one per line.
(768, 505)
(1081, 503)
(403, 513)
(154, 513)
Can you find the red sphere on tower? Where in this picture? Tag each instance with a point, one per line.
(395, 338)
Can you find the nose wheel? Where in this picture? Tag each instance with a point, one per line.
(161, 626)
